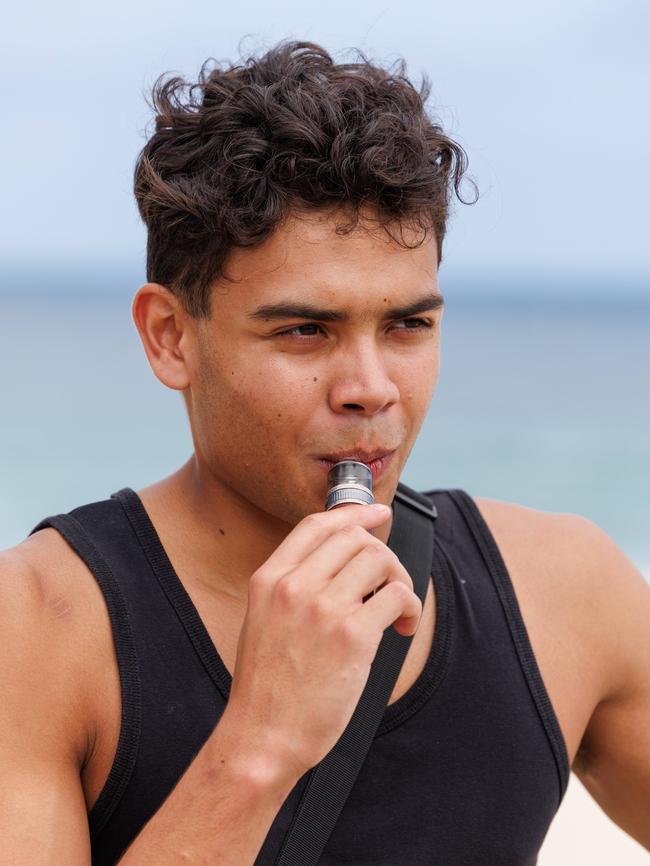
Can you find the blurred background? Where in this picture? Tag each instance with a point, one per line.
(544, 395)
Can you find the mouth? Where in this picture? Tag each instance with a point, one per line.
(377, 461)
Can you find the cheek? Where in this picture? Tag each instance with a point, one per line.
(418, 381)
(263, 401)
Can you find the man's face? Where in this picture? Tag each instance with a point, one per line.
(277, 389)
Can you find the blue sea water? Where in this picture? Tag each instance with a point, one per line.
(543, 401)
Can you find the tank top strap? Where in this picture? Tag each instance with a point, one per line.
(76, 529)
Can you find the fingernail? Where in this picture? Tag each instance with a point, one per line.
(379, 507)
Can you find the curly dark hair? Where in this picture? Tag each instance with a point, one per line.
(234, 154)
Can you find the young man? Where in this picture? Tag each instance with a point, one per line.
(176, 660)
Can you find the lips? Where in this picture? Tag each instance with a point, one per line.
(376, 460)
(363, 456)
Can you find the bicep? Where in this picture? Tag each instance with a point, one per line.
(43, 817)
(614, 758)
(43, 820)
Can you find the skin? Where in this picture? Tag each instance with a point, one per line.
(262, 406)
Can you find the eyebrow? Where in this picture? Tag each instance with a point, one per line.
(289, 310)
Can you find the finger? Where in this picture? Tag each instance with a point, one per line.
(372, 567)
(320, 566)
(393, 604)
(314, 529)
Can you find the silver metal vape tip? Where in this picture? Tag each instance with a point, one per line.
(349, 481)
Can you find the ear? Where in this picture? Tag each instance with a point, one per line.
(165, 330)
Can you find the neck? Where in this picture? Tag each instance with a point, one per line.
(212, 535)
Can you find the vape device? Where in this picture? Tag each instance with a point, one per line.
(349, 481)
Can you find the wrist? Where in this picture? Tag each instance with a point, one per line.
(255, 756)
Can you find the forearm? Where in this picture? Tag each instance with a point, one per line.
(220, 811)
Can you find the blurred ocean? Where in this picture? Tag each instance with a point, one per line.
(543, 400)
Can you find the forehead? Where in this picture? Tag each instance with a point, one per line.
(307, 258)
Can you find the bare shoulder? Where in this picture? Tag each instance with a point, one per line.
(530, 527)
(49, 641)
(42, 575)
(559, 553)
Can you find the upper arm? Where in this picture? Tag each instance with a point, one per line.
(614, 758)
(43, 817)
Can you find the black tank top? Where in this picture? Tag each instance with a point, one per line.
(467, 768)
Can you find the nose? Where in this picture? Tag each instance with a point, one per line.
(361, 380)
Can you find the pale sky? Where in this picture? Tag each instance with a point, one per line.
(550, 100)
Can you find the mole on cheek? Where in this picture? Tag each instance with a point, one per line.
(315, 378)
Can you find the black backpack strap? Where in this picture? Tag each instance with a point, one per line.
(331, 781)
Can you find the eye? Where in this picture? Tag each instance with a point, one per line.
(295, 331)
(415, 324)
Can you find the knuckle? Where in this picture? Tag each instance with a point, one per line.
(394, 559)
(405, 578)
(398, 573)
(353, 531)
(380, 558)
(399, 590)
(313, 521)
(287, 591)
(259, 581)
(320, 609)
(378, 550)
(347, 632)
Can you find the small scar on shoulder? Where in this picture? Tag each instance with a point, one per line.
(60, 605)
